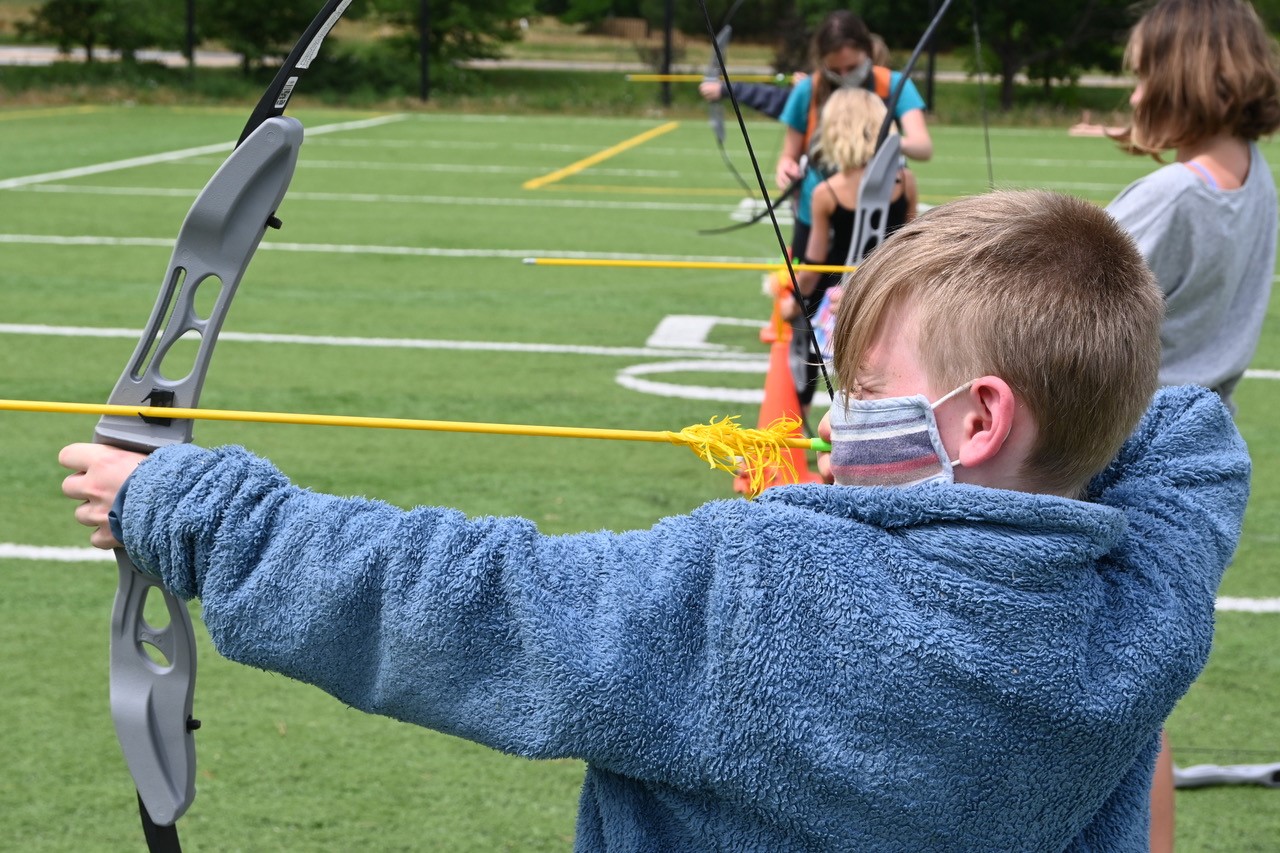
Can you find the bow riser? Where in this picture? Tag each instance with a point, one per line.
(151, 700)
(875, 193)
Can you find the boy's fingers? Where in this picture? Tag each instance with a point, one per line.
(824, 428)
(72, 486)
(88, 515)
(77, 456)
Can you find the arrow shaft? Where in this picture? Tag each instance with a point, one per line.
(296, 418)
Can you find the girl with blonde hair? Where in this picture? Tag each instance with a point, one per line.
(851, 121)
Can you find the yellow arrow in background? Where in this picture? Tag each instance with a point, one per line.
(683, 265)
(698, 78)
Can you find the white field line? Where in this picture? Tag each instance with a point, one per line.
(393, 198)
(489, 145)
(756, 360)
(170, 156)
(348, 249)
(45, 553)
(1119, 162)
(557, 120)
(931, 182)
(1233, 604)
(457, 168)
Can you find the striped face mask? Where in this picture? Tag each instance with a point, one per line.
(892, 441)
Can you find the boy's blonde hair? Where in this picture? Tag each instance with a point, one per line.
(1043, 290)
(851, 121)
(1206, 66)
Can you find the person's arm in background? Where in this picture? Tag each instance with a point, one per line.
(819, 240)
(916, 142)
(909, 113)
(795, 115)
(762, 97)
(912, 189)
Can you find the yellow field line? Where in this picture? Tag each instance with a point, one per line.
(41, 112)
(574, 168)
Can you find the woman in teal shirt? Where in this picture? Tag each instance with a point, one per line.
(842, 49)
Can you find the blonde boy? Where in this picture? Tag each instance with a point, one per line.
(981, 665)
(1037, 302)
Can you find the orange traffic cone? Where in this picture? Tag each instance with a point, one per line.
(780, 401)
(778, 285)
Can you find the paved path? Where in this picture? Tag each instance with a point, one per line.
(35, 55)
(41, 55)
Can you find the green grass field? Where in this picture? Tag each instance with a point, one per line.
(398, 276)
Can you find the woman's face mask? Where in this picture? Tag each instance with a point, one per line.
(892, 441)
(851, 79)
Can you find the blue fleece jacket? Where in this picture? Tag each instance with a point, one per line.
(826, 668)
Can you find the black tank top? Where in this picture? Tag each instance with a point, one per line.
(842, 228)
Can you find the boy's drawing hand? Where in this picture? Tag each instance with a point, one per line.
(824, 459)
(100, 471)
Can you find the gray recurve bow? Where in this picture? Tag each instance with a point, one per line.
(153, 667)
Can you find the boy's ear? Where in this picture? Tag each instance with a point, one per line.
(988, 422)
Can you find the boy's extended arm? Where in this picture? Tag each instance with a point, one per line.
(590, 645)
(1182, 481)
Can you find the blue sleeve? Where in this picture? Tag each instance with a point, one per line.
(765, 97)
(795, 114)
(1182, 481)
(592, 645)
(909, 99)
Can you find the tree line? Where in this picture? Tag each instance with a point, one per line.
(1049, 40)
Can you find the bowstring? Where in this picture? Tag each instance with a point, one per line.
(982, 96)
(815, 348)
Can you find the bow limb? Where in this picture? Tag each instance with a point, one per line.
(715, 109)
(153, 668)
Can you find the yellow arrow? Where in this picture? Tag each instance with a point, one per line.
(698, 78)
(722, 443)
(683, 265)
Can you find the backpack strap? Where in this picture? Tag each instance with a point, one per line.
(815, 112)
(883, 79)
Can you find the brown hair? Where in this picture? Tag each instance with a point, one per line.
(880, 51)
(839, 29)
(1043, 290)
(1206, 66)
